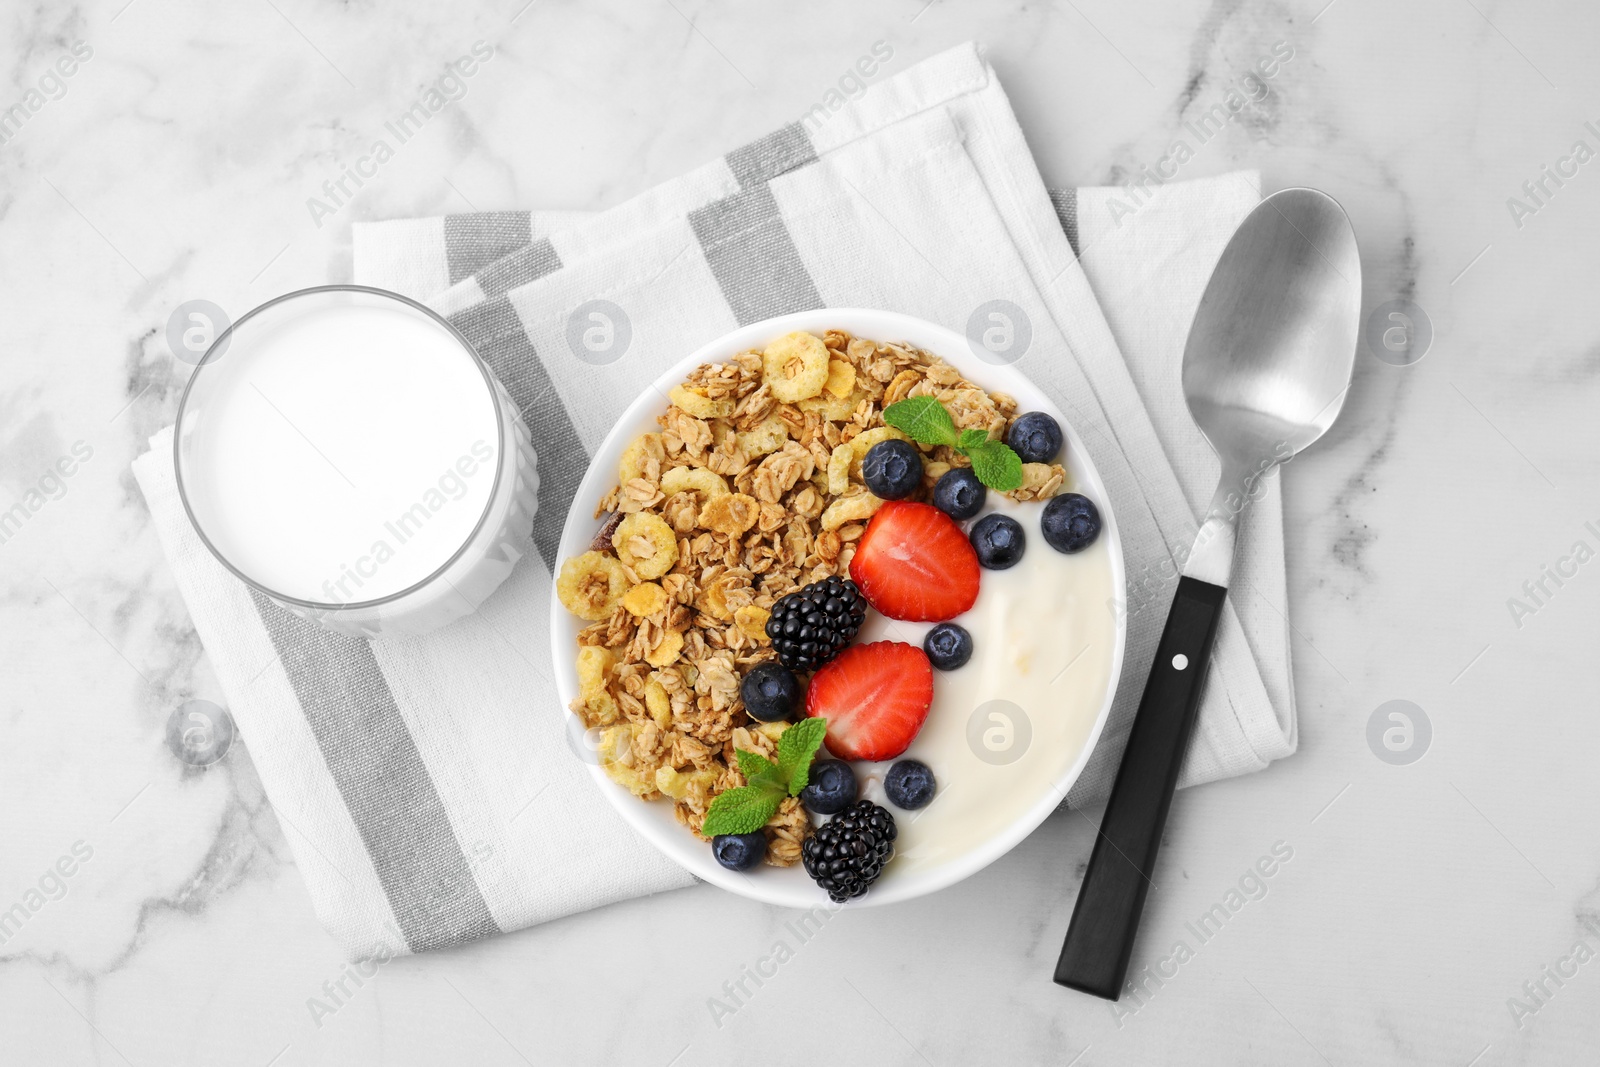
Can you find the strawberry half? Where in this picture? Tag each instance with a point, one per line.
(875, 698)
(914, 563)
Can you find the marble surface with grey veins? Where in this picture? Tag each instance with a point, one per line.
(1444, 910)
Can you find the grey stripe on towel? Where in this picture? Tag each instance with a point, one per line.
(765, 158)
(746, 244)
(385, 785)
(1065, 201)
(749, 250)
(472, 242)
(497, 334)
(519, 268)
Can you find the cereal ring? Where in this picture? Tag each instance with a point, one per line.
(616, 758)
(850, 508)
(594, 664)
(834, 408)
(839, 469)
(591, 585)
(676, 784)
(768, 435)
(701, 407)
(646, 544)
(681, 479)
(636, 458)
(658, 703)
(795, 366)
(594, 667)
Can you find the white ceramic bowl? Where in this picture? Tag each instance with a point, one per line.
(791, 887)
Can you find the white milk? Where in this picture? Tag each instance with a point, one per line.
(1044, 637)
(343, 453)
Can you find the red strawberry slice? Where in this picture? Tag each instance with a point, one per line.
(914, 563)
(875, 698)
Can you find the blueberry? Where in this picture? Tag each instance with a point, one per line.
(959, 494)
(999, 541)
(739, 852)
(770, 691)
(1034, 436)
(892, 469)
(1070, 522)
(831, 787)
(948, 646)
(909, 784)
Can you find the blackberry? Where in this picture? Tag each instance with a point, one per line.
(809, 627)
(847, 853)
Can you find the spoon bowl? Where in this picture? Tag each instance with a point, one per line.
(1269, 356)
(1270, 353)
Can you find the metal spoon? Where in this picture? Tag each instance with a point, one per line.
(1265, 372)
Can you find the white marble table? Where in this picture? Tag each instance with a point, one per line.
(175, 163)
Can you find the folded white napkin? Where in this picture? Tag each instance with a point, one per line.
(426, 784)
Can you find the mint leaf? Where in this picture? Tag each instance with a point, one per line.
(743, 810)
(753, 765)
(796, 747)
(996, 466)
(972, 438)
(747, 808)
(923, 419)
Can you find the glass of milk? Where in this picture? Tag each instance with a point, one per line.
(347, 453)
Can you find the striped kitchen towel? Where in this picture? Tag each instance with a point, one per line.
(428, 785)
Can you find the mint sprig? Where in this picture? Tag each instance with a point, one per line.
(743, 810)
(754, 766)
(796, 747)
(996, 465)
(748, 808)
(925, 420)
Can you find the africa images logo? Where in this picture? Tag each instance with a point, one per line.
(447, 89)
(1537, 192)
(1205, 127)
(51, 85)
(52, 885)
(450, 487)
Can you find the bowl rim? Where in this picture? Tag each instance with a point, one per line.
(578, 531)
(217, 348)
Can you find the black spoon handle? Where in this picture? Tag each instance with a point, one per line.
(1094, 958)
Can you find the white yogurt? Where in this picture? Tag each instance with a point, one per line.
(343, 454)
(1004, 728)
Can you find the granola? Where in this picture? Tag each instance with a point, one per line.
(751, 488)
